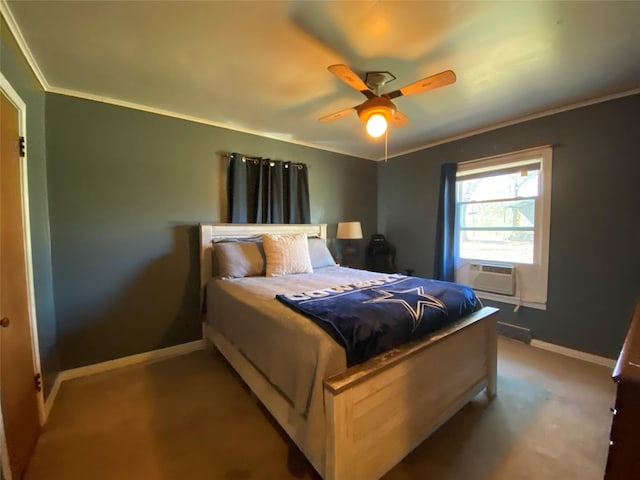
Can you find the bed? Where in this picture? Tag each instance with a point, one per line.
(352, 423)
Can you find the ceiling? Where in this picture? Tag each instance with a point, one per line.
(260, 67)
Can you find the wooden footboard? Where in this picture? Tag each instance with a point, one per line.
(379, 411)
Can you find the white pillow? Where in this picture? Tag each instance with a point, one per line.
(286, 254)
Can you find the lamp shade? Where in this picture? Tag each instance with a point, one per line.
(349, 231)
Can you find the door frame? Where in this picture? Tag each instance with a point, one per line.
(17, 101)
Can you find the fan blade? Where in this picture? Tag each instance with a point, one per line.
(400, 119)
(336, 115)
(347, 75)
(429, 83)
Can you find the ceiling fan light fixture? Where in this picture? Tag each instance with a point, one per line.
(378, 109)
(376, 113)
(376, 125)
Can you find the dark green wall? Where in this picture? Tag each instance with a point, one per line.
(594, 263)
(17, 71)
(125, 191)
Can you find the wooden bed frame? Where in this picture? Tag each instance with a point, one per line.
(378, 411)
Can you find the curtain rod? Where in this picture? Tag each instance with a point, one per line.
(245, 157)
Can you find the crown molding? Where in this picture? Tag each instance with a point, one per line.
(515, 121)
(22, 44)
(191, 118)
(452, 138)
(15, 30)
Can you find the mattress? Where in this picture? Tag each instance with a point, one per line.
(291, 351)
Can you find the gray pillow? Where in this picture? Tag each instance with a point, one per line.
(320, 254)
(239, 259)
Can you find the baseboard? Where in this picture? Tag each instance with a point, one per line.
(146, 357)
(569, 352)
(48, 403)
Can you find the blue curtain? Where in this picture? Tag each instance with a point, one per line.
(443, 264)
(260, 190)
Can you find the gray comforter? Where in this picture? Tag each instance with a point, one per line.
(291, 351)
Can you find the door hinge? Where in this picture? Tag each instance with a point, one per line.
(38, 380)
(22, 145)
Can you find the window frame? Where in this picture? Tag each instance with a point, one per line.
(531, 279)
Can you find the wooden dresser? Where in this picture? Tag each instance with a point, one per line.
(623, 462)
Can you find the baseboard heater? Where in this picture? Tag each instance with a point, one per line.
(514, 331)
(493, 278)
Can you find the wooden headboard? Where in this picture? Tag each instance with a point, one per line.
(211, 232)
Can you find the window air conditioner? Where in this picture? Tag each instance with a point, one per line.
(493, 278)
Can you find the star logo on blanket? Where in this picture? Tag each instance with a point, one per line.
(413, 299)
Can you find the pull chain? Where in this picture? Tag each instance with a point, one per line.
(386, 141)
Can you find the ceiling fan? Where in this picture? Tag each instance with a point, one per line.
(377, 110)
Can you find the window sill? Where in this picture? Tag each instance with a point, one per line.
(509, 299)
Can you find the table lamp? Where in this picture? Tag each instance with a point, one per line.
(348, 231)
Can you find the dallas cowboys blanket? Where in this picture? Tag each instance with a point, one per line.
(373, 316)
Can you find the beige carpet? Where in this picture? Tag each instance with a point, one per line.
(191, 418)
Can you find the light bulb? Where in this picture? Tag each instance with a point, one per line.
(376, 125)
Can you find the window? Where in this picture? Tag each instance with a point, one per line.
(502, 218)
